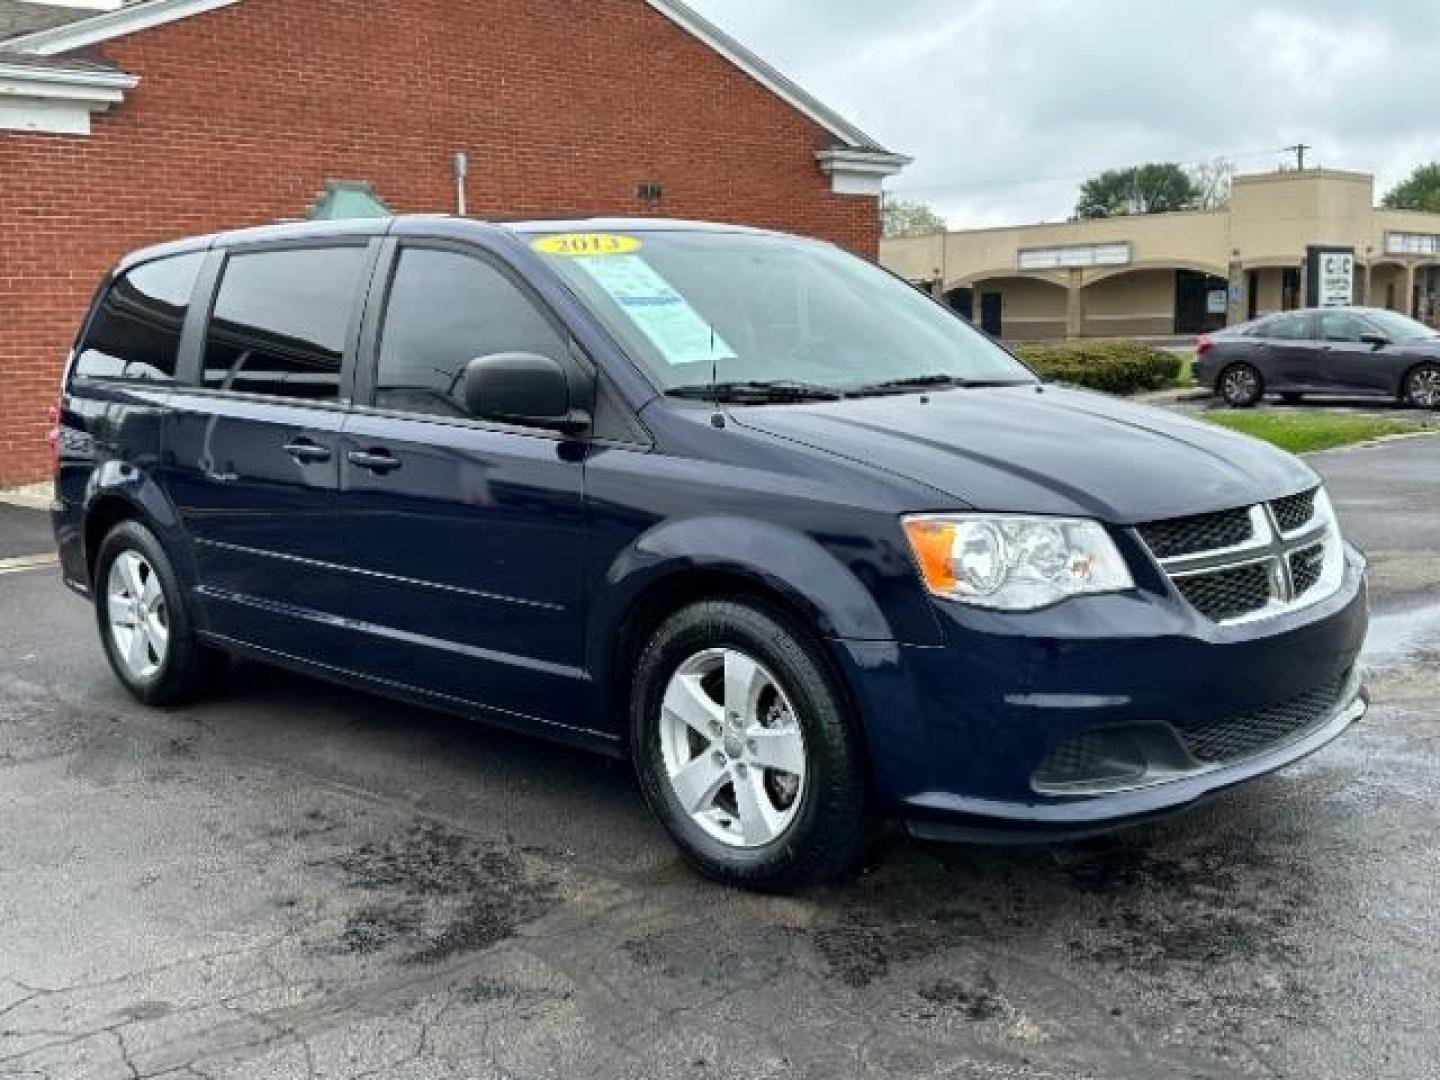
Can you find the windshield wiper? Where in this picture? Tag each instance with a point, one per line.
(763, 390)
(927, 382)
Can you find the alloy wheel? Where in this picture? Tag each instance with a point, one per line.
(139, 621)
(733, 749)
(1424, 388)
(1240, 386)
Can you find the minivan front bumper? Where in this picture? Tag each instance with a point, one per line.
(960, 733)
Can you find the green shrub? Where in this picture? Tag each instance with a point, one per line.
(1117, 367)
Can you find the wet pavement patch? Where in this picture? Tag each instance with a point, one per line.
(438, 894)
(857, 953)
(692, 954)
(979, 1003)
(1224, 898)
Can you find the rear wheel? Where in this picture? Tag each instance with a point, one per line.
(1241, 386)
(1422, 387)
(145, 624)
(744, 749)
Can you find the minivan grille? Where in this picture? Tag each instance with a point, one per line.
(1294, 511)
(1227, 594)
(1306, 567)
(1235, 737)
(1248, 561)
(1201, 532)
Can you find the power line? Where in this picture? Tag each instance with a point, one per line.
(987, 185)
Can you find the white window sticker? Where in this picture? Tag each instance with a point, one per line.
(662, 314)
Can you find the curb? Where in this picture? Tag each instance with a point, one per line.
(1378, 441)
(31, 496)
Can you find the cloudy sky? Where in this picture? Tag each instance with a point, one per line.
(1007, 105)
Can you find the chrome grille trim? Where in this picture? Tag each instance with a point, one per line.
(1296, 578)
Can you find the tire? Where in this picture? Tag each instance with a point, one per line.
(160, 660)
(794, 828)
(1422, 387)
(1240, 386)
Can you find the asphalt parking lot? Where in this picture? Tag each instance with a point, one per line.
(297, 881)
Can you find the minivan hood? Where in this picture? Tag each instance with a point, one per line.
(1044, 450)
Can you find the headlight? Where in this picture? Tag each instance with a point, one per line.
(1014, 563)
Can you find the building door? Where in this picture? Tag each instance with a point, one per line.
(962, 301)
(1290, 289)
(990, 313)
(1195, 312)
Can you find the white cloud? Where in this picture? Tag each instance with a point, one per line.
(1008, 104)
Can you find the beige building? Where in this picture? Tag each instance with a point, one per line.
(1286, 239)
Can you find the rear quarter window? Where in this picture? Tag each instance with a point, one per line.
(135, 333)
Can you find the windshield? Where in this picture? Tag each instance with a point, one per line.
(1398, 327)
(734, 309)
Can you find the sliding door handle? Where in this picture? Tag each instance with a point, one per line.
(377, 461)
(306, 452)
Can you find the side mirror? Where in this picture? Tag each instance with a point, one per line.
(1379, 341)
(521, 388)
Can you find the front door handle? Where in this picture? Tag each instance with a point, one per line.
(306, 452)
(377, 461)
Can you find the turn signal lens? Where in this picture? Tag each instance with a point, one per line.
(1014, 563)
(52, 436)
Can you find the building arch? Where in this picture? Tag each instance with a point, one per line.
(1094, 277)
(1154, 298)
(1013, 304)
(1053, 277)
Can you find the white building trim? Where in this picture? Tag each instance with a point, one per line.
(106, 25)
(57, 100)
(859, 172)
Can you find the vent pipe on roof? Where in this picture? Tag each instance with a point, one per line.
(460, 166)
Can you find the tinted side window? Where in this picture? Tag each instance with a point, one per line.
(1342, 326)
(1289, 327)
(445, 310)
(280, 322)
(136, 331)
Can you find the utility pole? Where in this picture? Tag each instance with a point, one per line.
(1299, 149)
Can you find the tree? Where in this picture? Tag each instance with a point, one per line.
(1156, 188)
(1212, 182)
(1420, 192)
(901, 218)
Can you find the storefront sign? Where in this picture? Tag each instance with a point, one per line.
(1330, 281)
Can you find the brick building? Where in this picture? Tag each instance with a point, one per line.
(124, 122)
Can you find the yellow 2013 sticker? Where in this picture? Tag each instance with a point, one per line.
(585, 245)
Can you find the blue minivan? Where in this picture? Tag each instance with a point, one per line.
(791, 536)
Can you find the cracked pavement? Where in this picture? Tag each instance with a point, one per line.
(292, 880)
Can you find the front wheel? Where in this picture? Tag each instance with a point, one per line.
(745, 751)
(1422, 387)
(145, 625)
(1241, 386)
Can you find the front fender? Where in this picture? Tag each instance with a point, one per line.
(783, 560)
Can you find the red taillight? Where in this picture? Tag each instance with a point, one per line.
(52, 436)
(1203, 344)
